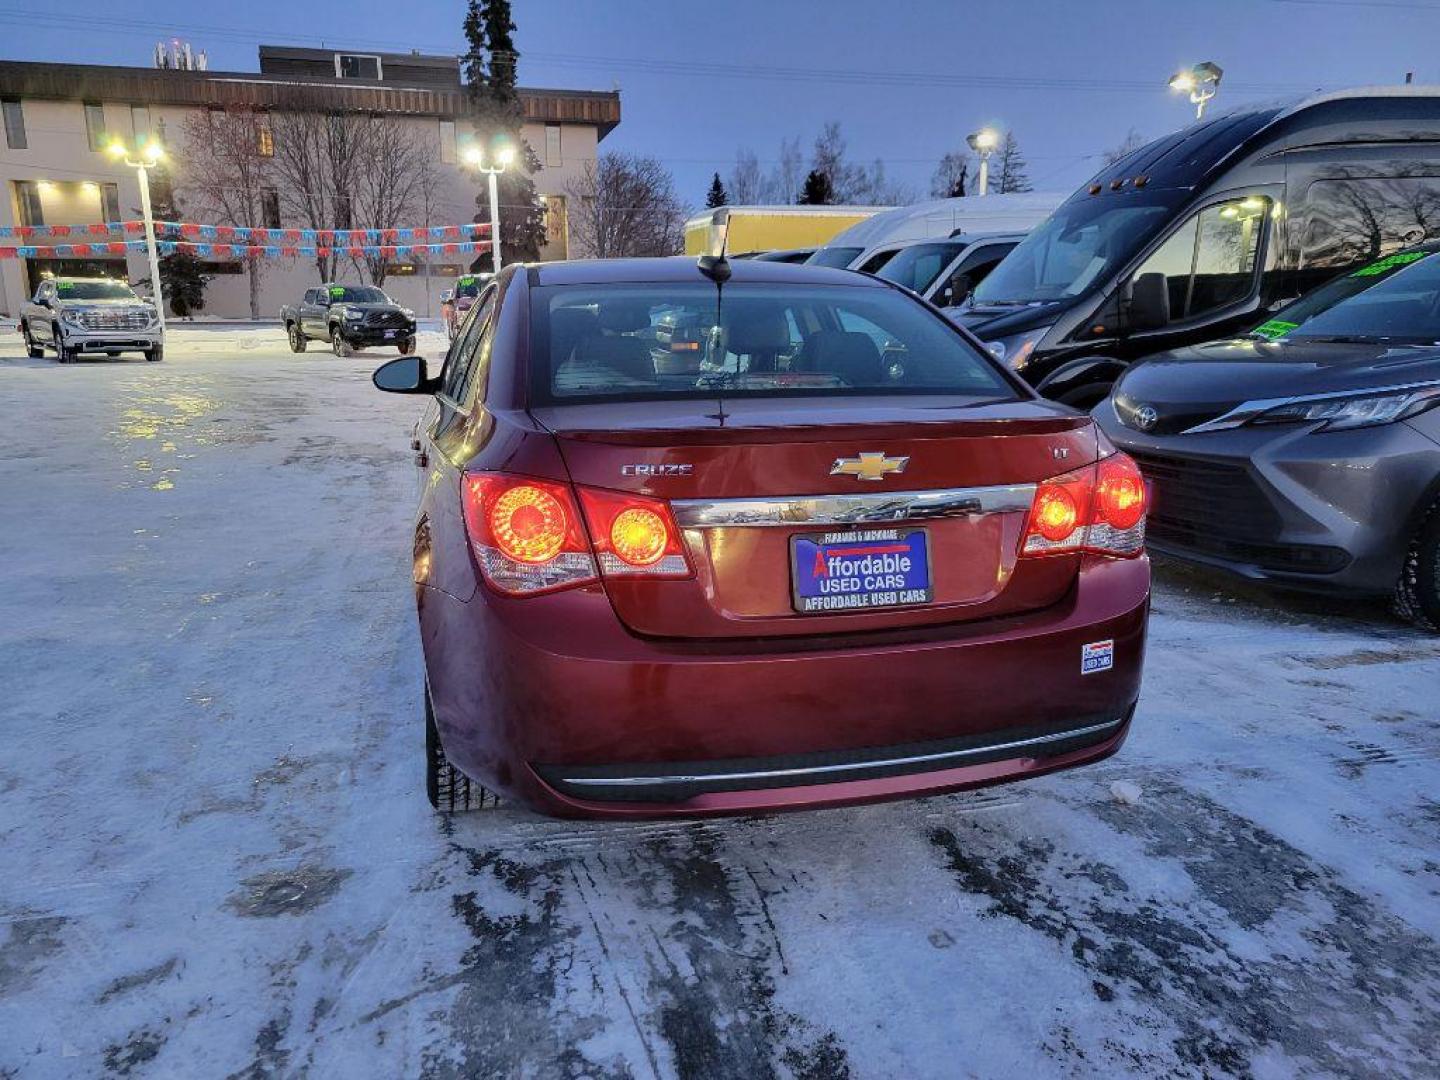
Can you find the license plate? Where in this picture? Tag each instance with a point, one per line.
(854, 571)
(390, 333)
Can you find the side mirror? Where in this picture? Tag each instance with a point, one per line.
(447, 296)
(1149, 302)
(405, 375)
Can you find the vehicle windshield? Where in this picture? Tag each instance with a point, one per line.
(838, 257)
(1395, 298)
(94, 290)
(664, 341)
(916, 267)
(467, 286)
(357, 294)
(1083, 242)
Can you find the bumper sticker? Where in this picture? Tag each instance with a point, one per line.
(1097, 656)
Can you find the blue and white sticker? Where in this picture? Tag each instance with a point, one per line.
(1097, 656)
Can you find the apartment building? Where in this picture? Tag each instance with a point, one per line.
(58, 119)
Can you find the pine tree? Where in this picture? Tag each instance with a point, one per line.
(818, 191)
(716, 195)
(489, 65)
(1011, 175)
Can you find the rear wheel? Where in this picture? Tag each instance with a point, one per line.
(298, 341)
(157, 353)
(338, 345)
(1417, 594)
(450, 791)
(32, 349)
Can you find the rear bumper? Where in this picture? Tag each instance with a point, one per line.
(1321, 511)
(541, 697)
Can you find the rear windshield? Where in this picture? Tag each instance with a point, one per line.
(637, 342)
(94, 290)
(838, 257)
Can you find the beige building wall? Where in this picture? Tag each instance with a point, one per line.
(59, 155)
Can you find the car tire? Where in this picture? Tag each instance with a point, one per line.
(63, 353)
(338, 345)
(298, 341)
(155, 354)
(1417, 593)
(449, 790)
(32, 350)
(407, 346)
(1085, 397)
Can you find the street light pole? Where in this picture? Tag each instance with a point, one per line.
(983, 142)
(476, 157)
(1200, 82)
(148, 158)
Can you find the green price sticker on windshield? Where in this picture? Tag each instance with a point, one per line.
(1275, 328)
(1390, 262)
(64, 286)
(468, 279)
(337, 292)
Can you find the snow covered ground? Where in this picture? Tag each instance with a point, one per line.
(216, 857)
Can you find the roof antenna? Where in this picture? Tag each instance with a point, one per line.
(717, 269)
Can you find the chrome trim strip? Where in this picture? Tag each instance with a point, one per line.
(849, 766)
(865, 508)
(1247, 410)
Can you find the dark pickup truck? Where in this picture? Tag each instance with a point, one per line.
(349, 317)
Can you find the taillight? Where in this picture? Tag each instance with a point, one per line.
(633, 534)
(1119, 524)
(1059, 513)
(1100, 508)
(526, 533)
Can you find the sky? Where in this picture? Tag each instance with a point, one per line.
(906, 80)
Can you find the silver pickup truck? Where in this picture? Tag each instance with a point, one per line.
(73, 315)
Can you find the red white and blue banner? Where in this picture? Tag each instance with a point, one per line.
(240, 251)
(249, 236)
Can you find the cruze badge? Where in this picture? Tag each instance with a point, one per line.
(869, 465)
(643, 469)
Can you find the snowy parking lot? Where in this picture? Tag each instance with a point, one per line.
(218, 858)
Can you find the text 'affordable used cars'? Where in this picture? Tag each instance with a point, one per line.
(735, 536)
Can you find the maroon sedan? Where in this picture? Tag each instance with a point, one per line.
(714, 537)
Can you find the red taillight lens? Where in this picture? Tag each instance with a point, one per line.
(633, 534)
(1120, 505)
(526, 533)
(1100, 508)
(1057, 516)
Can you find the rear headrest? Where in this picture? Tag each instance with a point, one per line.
(753, 329)
(567, 326)
(621, 317)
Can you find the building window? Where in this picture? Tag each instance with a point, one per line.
(140, 123)
(447, 142)
(552, 144)
(95, 125)
(31, 211)
(557, 225)
(270, 208)
(110, 202)
(264, 137)
(14, 125)
(357, 66)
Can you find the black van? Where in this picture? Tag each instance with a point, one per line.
(1202, 233)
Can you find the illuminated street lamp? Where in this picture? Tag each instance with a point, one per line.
(1200, 82)
(475, 157)
(148, 156)
(984, 142)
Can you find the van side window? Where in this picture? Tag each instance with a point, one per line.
(1209, 261)
(1347, 223)
(974, 268)
(460, 369)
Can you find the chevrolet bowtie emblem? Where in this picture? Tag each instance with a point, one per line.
(869, 466)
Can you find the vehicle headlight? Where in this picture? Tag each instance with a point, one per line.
(351, 313)
(407, 313)
(70, 317)
(1015, 349)
(1332, 412)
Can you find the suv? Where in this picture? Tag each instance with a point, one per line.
(456, 302)
(75, 315)
(349, 317)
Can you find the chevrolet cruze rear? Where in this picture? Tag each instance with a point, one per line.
(780, 539)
